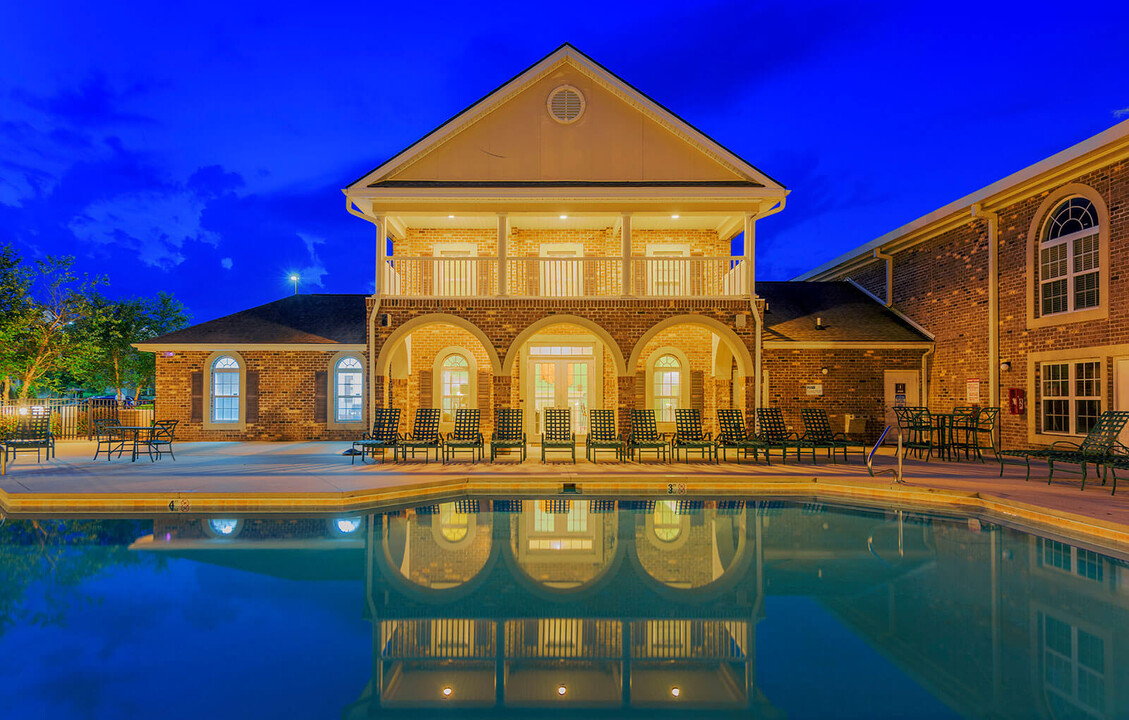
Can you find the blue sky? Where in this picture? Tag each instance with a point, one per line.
(201, 148)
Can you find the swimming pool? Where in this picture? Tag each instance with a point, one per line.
(574, 607)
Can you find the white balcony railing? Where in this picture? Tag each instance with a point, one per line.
(596, 277)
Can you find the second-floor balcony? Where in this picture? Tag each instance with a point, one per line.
(572, 277)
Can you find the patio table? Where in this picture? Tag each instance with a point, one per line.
(945, 423)
(136, 430)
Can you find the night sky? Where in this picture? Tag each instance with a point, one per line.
(201, 148)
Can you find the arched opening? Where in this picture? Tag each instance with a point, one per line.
(438, 547)
(439, 362)
(689, 362)
(563, 362)
(564, 546)
(685, 546)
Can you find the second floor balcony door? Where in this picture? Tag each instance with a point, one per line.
(455, 273)
(562, 270)
(668, 270)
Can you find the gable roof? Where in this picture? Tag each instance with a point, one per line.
(320, 319)
(848, 315)
(566, 54)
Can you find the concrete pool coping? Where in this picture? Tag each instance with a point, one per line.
(313, 477)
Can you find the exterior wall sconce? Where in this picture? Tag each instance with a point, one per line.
(823, 371)
(1005, 366)
(819, 324)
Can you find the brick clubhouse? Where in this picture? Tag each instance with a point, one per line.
(567, 241)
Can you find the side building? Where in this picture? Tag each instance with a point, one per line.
(1019, 283)
(565, 241)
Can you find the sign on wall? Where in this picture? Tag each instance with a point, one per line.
(815, 389)
(972, 391)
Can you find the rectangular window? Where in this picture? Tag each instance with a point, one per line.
(1073, 669)
(348, 395)
(225, 396)
(1069, 270)
(1071, 396)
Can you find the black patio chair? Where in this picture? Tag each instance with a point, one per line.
(689, 436)
(465, 436)
(603, 435)
(558, 435)
(1098, 447)
(160, 438)
(108, 438)
(817, 431)
(774, 433)
(645, 435)
(981, 429)
(425, 435)
(385, 436)
(508, 434)
(733, 435)
(920, 433)
(33, 432)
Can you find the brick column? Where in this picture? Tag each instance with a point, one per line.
(502, 391)
(378, 384)
(750, 402)
(625, 401)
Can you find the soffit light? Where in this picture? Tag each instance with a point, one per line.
(447, 692)
(675, 691)
(564, 217)
(675, 217)
(561, 690)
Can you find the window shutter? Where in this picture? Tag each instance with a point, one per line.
(321, 381)
(697, 392)
(426, 391)
(485, 380)
(251, 412)
(641, 390)
(196, 412)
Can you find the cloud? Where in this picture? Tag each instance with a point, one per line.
(1123, 112)
(226, 263)
(153, 224)
(93, 102)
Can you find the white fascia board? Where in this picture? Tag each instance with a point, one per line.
(833, 345)
(284, 347)
(984, 196)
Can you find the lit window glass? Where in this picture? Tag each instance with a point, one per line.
(347, 385)
(1069, 259)
(225, 390)
(667, 387)
(454, 385)
(667, 524)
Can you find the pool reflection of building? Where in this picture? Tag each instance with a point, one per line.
(655, 604)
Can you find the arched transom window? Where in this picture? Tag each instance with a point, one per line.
(668, 387)
(225, 390)
(347, 386)
(667, 525)
(454, 385)
(1070, 259)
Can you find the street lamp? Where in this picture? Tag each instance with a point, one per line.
(294, 279)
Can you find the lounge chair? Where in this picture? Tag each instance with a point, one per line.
(108, 438)
(603, 435)
(558, 435)
(465, 436)
(385, 435)
(645, 435)
(31, 433)
(817, 431)
(689, 436)
(508, 434)
(732, 435)
(1097, 448)
(774, 433)
(425, 435)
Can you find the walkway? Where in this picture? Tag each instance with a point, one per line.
(305, 476)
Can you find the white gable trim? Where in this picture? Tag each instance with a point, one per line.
(565, 54)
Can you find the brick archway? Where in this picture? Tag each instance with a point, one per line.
(535, 327)
(389, 344)
(741, 354)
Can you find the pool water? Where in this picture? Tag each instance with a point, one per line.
(568, 607)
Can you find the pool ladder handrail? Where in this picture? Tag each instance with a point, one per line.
(899, 477)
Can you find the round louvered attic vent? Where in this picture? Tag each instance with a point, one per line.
(566, 104)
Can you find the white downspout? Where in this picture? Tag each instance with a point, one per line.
(925, 376)
(993, 219)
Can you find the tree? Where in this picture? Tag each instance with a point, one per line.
(165, 314)
(14, 282)
(42, 337)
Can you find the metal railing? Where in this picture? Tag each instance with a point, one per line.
(73, 419)
(565, 277)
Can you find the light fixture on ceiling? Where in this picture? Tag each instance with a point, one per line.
(675, 692)
(450, 217)
(561, 690)
(564, 217)
(675, 217)
(447, 691)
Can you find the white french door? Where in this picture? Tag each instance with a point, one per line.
(560, 382)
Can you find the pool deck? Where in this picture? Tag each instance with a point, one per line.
(315, 477)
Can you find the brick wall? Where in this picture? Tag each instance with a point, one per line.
(599, 242)
(286, 396)
(943, 285)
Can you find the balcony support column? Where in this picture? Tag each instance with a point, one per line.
(381, 223)
(750, 288)
(503, 238)
(625, 235)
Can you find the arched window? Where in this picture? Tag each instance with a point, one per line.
(454, 385)
(667, 387)
(453, 524)
(1070, 259)
(347, 385)
(225, 390)
(667, 525)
